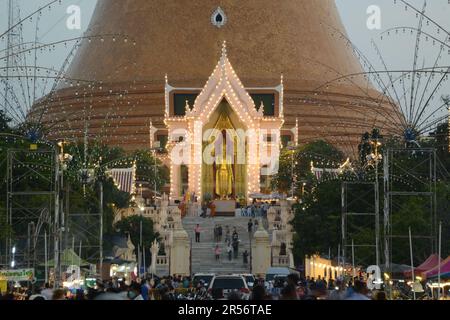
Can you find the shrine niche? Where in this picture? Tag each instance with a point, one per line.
(224, 176)
(224, 139)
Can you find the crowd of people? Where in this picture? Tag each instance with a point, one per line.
(291, 287)
(255, 210)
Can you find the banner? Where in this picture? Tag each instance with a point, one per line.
(17, 275)
(3, 286)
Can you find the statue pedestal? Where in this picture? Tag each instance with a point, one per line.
(225, 208)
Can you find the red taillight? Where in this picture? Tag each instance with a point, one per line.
(245, 290)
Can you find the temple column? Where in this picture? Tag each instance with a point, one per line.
(261, 251)
(180, 251)
(196, 156)
(175, 181)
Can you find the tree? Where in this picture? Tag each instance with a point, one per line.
(317, 220)
(150, 170)
(320, 152)
(4, 122)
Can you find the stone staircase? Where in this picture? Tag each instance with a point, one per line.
(203, 258)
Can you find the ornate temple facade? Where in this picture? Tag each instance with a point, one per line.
(223, 143)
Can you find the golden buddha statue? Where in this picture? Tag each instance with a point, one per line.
(224, 178)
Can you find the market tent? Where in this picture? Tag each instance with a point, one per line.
(68, 258)
(428, 264)
(445, 270)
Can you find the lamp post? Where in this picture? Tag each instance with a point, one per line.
(292, 149)
(375, 157)
(251, 251)
(62, 160)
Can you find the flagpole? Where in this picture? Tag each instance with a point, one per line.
(79, 254)
(139, 262)
(339, 257)
(439, 261)
(412, 263)
(143, 255)
(353, 259)
(46, 257)
(73, 249)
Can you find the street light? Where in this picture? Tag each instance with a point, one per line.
(374, 159)
(13, 262)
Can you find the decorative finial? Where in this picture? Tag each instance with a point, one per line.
(187, 107)
(261, 108)
(167, 79)
(282, 79)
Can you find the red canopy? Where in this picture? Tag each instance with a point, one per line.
(445, 269)
(430, 263)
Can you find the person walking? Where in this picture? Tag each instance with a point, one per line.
(220, 232)
(217, 252)
(256, 225)
(230, 251)
(197, 233)
(250, 226)
(245, 256)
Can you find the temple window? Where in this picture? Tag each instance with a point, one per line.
(162, 139)
(268, 99)
(285, 139)
(179, 102)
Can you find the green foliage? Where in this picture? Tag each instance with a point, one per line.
(131, 225)
(4, 122)
(317, 220)
(150, 171)
(295, 165)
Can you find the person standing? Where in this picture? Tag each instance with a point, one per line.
(245, 256)
(216, 234)
(236, 248)
(250, 226)
(197, 233)
(229, 251)
(145, 289)
(217, 252)
(227, 235)
(47, 292)
(256, 225)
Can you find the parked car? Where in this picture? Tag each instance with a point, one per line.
(228, 284)
(249, 278)
(276, 271)
(277, 274)
(205, 277)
